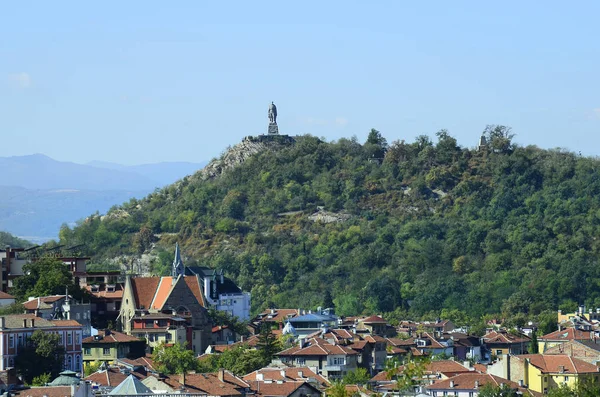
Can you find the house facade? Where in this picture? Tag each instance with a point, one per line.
(331, 361)
(173, 297)
(62, 307)
(221, 292)
(15, 329)
(109, 346)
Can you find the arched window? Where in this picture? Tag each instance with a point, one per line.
(77, 363)
(69, 362)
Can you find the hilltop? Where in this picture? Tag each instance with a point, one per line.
(408, 228)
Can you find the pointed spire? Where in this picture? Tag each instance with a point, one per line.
(178, 268)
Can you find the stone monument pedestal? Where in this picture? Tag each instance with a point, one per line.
(273, 129)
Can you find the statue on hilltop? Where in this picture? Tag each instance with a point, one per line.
(272, 113)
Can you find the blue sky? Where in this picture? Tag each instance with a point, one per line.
(148, 81)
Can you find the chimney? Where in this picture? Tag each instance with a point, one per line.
(24, 323)
(282, 373)
(300, 374)
(1, 322)
(477, 384)
(260, 377)
(221, 375)
(521, 383)
(452, 384)
(32, 323)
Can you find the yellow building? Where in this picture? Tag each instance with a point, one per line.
(108, 346)
(541, 372)
(561, 336)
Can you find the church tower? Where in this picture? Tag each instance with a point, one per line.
(178, 268)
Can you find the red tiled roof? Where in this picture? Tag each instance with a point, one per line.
(193, 282)
(481, 368)
(144, 289)
(46, 391)
(373, 320)
(560, 363)
(4, 295)
(142, 361)
(568, 334)
(111, 377)
(468, 382)
(163, 291)
(504, 338)
(446, 367)
(277, 389)
(317, 347)
(34, 303)
(112, 337)
(279, 315)
(287, 373)
(103, 293)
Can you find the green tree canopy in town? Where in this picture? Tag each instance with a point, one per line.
(41, 354)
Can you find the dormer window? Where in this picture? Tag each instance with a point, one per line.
(95, 288)
(110, 288)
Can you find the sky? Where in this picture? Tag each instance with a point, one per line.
(150, 81)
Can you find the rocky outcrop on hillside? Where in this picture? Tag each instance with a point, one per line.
(239, 153)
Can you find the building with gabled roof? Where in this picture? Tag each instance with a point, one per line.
(303, 374)
(498, 343)
(469, 385)
(166, 308)
(586, 350)
(561, 336)
(109, 346)
(331, 361)
(16, 328)
(284, 388)
(542, 372)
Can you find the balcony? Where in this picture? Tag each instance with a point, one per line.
(335, 367)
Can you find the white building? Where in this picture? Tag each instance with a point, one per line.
(222, 293)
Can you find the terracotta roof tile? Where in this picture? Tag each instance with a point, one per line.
(144, 289)
(111, 377)
(193, 282)
(163, 291)
(504, 338)
(277, 389)
(279, 315)
(112, 337)
(294, 373)
(34, 303)
(4, 295)
(468, 382)
(373, 320)
(47, 391)
(559, 363)
(317, 347)
(568, 334)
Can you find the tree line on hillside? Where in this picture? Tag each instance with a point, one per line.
(502, 230)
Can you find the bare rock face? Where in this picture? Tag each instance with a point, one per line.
(328, 217)
(239, 153)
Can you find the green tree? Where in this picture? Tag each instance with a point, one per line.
(41, 380)
(91, 368)
(534, 348)
(175, 359)
(359, 376)
(337, 389)
(43, 349)
(376, 145)
(268, 344)
(46, 276)
(410, 375)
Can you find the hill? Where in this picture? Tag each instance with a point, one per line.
(408, 229)
(9, 239)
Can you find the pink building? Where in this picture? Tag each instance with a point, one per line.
(15, 329)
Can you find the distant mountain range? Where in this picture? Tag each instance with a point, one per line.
(40, 193)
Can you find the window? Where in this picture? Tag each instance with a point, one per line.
(87, 351)
(11, 341)
(300, 361)
(106, 351)
(78, 338)
(77, 362)
(498, 352)
(20, 340)
(77, 316)
(471, 394)
(338, 361)
(193, 334)
(69, 362)
(566, 378)
(149, 324)
(69, 338)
